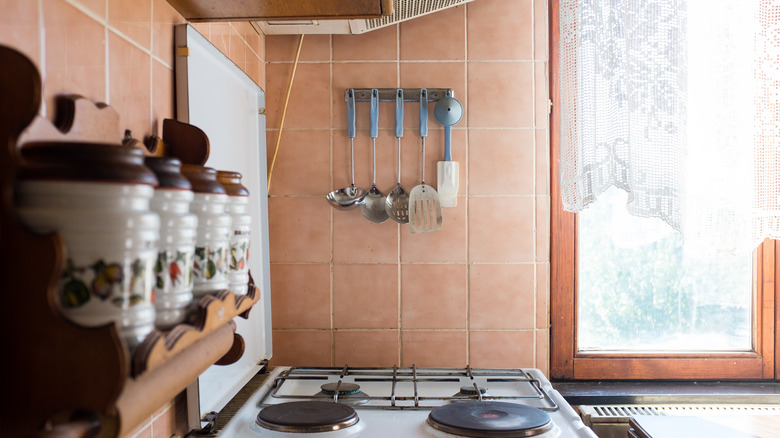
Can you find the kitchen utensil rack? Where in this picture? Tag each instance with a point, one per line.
(63, 379)
(388, 94)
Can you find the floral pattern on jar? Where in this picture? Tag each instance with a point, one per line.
(105, 281)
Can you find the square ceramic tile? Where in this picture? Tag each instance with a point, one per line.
(501, 162)
(433, 296)
(543, 351)
(543, 295)
(164, 19)
(19, 27)
(282, 48)
(541, 95)
(129, 85)
(377, 45)
(496, 349)
(513, 106)
(434, 349)
(302, 348)
(411, 155)
(75, 55)
(133, 19)
(301, 296)
(219, 35)
(299, 229)
(366, 348)
(302, 164)
(386, 162)
(543, 228)
(162, 96)
(542, 162)
(445, 245)
(501, 229)
(99, 7)
(309, 104)
(444, 74)
(437, 36)
(237, 48)
(502, 296)
(500, 30)
(365, 296)
(541, 30)
(358, 240)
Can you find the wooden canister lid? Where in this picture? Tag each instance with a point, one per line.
(232, 183)
(203, 179)
(168, 171)
(75, 161)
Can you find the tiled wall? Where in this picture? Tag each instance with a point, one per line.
(346, 290)
(119, 52)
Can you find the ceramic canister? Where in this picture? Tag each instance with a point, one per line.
(238, 208)
(210, 264)
(96, 196)
(178, 234)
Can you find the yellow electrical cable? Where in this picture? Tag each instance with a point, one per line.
(284, 113)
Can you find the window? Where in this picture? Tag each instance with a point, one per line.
(678, 342)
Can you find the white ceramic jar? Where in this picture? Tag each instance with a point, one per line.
(96, 196)
(210, 264)
(178, 234)
(238, 208)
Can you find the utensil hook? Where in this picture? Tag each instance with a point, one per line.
(351, 132)
(399, 124)
(374, 129)
(423, 126)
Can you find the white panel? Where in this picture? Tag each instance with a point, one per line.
(217, 97)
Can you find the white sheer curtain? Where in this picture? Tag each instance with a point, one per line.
(676, 102)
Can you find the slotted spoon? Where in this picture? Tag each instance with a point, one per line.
(424, 205)
(397, 204)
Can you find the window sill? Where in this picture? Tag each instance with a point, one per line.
(664, 392)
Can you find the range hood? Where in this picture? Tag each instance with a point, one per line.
(402, 10)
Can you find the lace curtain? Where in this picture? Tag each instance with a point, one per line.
(676, 102)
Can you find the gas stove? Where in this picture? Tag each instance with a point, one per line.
(405, 402)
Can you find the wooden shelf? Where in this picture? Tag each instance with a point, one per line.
(63, 379)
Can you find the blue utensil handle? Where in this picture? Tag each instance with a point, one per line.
(351, 113)
(447, 139)
(374, 113)
(399, 113)
(423, 112)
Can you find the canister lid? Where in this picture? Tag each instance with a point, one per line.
(232, 183)
(76, 161)
(203, 179)
(168, 171)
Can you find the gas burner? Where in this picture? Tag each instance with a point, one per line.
(490, 419)
(307, 417)
(341, 387)
(470, 391)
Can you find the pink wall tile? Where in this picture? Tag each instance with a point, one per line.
(511, 349)
(19, 27)
(75, 55)
(300, 296)
(238, 49)
(301, 348)
(309, 104)
(163, 105)
(433, 348)
(501, 229)
(513, 107)
(133, 19)
(377, 45)
(440, 36)
(501, 162)
(542, 228)
(164, 18)
(436, 75)
(363, 75)
(541, 29)
(129, 72)
(502, 296)
(500, 29)
(433, 296)
(365, 296)
(366, 348)
(282, 48)
(445, 245)
(541, 116)
(385, 158)
(434, 152)
(99, 7)
(542, 162)
(219, 35)
(301, 229)
(543, 351)
(542, 295)
(301, 166)
(357, 240)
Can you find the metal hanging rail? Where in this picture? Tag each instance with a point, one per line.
(410, 94)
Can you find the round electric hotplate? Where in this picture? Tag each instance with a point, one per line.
(307, 417)
(490, 419)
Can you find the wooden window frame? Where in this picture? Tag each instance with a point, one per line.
(566, 363)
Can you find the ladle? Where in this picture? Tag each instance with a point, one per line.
(448, 112)
(373, 207)
(349, 197)
(397, 204)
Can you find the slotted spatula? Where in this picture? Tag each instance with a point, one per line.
(424, 205)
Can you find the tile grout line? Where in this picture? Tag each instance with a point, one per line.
(332, 251)
(534, 208)
(466, 198)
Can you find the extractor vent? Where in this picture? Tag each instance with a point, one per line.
(620, 413)
(402, 10)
